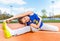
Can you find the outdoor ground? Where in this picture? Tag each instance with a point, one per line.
(37, 36)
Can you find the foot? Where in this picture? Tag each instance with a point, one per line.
(6, 31)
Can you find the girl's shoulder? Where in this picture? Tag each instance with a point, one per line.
(33, 14)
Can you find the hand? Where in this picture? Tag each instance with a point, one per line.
(8, 21)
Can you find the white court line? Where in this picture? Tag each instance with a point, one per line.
(50, 32)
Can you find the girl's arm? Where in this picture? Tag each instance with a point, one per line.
(36, 26)
(20, 15)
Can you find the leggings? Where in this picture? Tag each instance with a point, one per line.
(28, 29)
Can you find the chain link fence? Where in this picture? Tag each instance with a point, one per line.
(51, 20)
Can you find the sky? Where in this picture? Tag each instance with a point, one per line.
(19, 6)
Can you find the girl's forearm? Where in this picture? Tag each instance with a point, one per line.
(20, 15)
(16, 16)
(34, 25)
(11, 18)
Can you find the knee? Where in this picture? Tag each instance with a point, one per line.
(56, 29)
(34, 29)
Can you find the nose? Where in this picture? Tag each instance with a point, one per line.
(26, 19)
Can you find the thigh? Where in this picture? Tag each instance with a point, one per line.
(49, 27)
(21, 30)
(34, 29)
(24, 29)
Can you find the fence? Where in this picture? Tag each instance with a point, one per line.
(51, 18)
(43, 19)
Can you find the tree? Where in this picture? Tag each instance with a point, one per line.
(44, 13)
(0, 12)
(5, 15)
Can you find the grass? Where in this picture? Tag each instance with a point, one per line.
(45, 21)
(11, 22)
(51, 21)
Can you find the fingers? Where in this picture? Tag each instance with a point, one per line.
(7, 21)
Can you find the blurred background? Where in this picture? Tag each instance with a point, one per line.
(49, 10)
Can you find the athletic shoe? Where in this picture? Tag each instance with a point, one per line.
(5, 30)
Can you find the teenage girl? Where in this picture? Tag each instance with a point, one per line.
(31, 22)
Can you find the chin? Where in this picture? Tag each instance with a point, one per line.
(27, 21)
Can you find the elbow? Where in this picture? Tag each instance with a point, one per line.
(30, 12)
(37, 26)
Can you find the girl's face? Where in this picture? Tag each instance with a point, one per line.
(25, 19)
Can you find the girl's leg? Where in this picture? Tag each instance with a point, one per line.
(49, 27)
(20, 30)
(34, 29)
(9, 32)
(17, 31)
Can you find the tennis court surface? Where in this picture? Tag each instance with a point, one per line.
(37, 36)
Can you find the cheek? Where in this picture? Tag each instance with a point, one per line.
(23, 21)
(27, 19)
